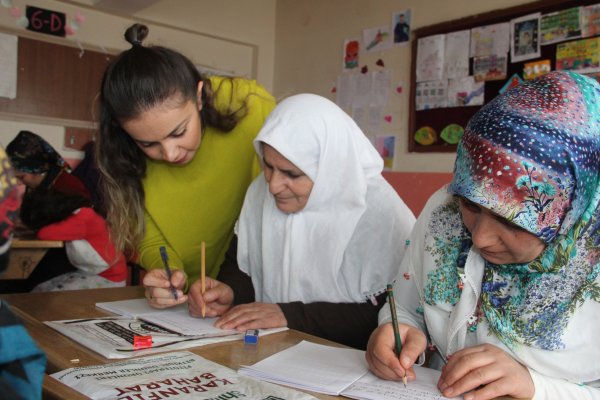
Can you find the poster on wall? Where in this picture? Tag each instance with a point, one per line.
(590, 20)
(560, 26)
(401, 26)
(385, 147)
(377, 39)
(582, 56)
(430, 58)
(525, 38)
(351, 51)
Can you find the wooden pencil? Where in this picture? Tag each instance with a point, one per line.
(203, 275)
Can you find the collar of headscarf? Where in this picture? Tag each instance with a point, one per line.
(531, 156)
(300, 256)
(30, 153)
(9, 203)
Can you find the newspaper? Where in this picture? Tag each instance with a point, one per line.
(179, 375)
(117, 337)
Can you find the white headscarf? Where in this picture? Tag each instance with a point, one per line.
(346, 244)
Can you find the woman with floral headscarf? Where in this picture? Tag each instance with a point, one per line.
(22, 363)
(38, 164)
(502, 267)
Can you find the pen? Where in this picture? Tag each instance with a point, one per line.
(397, 339)
(203, 275)
(165, 258)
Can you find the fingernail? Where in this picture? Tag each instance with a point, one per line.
(448, 391)
(443, 386)
(469, 396)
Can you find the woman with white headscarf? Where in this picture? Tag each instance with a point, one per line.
(320, 234)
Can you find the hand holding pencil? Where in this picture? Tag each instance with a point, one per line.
(164, 287)
(388, 360)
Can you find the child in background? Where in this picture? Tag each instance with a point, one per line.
(57, 216)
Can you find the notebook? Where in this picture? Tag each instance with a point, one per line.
(339, 371)
(176, 319)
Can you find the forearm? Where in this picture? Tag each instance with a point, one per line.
(347, 323)
(547, 388)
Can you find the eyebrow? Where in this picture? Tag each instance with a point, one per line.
(499, 218)
(177, 128)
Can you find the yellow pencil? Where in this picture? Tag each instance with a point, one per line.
(203, 275)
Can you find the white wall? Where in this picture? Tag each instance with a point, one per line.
(310, 37)
(236, 36)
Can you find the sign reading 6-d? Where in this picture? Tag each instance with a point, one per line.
(46, 21)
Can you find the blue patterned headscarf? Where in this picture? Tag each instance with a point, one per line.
(30, 153)
(532, 156)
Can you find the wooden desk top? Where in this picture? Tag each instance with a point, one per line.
(34, 308)
(32, 243)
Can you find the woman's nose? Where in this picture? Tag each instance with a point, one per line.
(169, 152)
(276, 182)
(484, 232)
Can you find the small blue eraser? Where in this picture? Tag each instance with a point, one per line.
(251, 336)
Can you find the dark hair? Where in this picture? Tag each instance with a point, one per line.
(41, 207)
(138, 80)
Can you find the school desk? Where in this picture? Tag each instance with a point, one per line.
(63, 353)
(25, 254)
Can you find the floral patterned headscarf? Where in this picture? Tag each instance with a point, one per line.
(9, 203)
(30, 153)
(532, 156)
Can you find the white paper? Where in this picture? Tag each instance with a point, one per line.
(8, 65)
(311, 366)
(430, 58)
(181, 375)
(465, 92)
(456, 54)
(490, 40)
(177, 318)
(433, 94)
(369, 387)
(339, 371)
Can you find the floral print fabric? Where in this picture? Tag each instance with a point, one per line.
(531, 156)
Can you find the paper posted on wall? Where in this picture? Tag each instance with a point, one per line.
(179, 375)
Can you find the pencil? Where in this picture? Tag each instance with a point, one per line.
(165, 258)
(397, 339)
(203, 275)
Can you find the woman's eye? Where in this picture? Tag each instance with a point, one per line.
(293, 175)
(469, 205)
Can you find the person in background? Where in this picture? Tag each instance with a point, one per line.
(175, 153)
(318, 233)
(38, 165)
(22, 363)
(501, 274)
(54, 215)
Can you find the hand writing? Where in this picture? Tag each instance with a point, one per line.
(380, 351)
(158, 289)
(218, 298)
(486, 372)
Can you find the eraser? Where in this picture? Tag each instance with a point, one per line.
(251, 336)
(142, 342)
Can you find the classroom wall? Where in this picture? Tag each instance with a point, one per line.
(234, 36)
(310, 37)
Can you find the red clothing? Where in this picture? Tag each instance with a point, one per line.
(88, 244)
(70, 184)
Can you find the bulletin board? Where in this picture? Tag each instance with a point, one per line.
(56, 81)
(438, 118)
